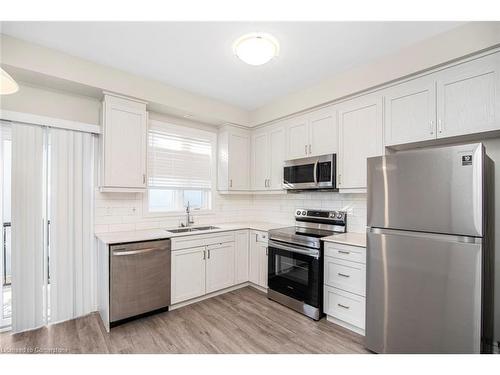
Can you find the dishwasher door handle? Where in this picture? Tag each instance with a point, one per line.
(137, 252)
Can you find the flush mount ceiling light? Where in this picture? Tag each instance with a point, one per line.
(7, 83)
(256, 48)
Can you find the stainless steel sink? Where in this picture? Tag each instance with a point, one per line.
(210, 227)
(191, 229)
(181, 230)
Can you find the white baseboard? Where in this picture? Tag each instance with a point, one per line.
(346, 325)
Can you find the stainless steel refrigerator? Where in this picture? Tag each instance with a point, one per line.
(426, 245)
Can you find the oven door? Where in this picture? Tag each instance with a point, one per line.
(296, 272)
(310, 173)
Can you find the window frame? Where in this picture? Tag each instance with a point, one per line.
(185, 130)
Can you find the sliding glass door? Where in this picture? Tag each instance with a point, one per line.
(48, 264)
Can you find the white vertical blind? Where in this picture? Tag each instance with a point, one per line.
(72, 261)
(4, 134)
(179, 157)
(28, 223)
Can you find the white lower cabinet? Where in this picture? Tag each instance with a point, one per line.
(188, 274)
(258, 258)
(220, 270)
(203, 264)
(345, 286)
(344, 308)
(241, 256)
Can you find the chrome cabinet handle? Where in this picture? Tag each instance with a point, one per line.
(344, 252)
(343, 274)
(343, 306)
(309, 149)
(208, 253)
(440, 126)
(204, 255)
(267, 251)
(305, 149)
(231, 183)
(431, 127)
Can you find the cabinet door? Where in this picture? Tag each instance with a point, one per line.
(220, 266)
(254, 259)
(188, 274)
(124, 144)
(323, 132)
(297, 138)
(241, 256)
(277, 157)
(468, 97)
(239, 162)
(260, 161)
(410, 111)
(263, 263)
(361, 136)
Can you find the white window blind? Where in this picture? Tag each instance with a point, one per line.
(180, 166)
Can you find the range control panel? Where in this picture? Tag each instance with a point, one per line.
(337, 216)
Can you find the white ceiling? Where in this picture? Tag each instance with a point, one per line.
(197, 56)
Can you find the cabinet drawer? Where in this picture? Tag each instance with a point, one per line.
(346, 252)
(201, 240)
(348, 276)
(345, 306)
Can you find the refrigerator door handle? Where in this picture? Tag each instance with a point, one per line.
(434, 236)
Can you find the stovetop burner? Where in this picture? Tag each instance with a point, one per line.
(310, 227)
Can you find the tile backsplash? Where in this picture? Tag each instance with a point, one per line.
(124, 211)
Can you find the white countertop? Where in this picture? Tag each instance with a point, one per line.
(110, 238)
(350, 238)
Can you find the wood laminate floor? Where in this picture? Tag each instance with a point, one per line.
(241, 321)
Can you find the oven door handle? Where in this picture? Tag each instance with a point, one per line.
(293, 249)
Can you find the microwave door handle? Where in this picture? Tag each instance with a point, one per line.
(316, 172)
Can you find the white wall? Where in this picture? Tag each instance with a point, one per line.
(124, 211)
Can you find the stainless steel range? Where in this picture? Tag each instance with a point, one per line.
(295, 268)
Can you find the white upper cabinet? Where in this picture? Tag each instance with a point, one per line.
(360, 133)
(123, 145)
(260, 161)
(323, 132)
(468, 97)
(268, 154)
(313, 134)
(455, 101)
(233, 172)
(297, 138)
(277, 157)
(410, 111)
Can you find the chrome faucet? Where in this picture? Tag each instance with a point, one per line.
(189, 218)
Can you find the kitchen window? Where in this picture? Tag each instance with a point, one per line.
(181, 168)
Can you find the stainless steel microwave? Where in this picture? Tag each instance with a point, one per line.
(311, 173)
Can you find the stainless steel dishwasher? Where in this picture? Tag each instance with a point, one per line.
(139, 278)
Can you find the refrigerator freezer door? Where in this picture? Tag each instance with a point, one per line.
(423, 293)
(436, 190)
